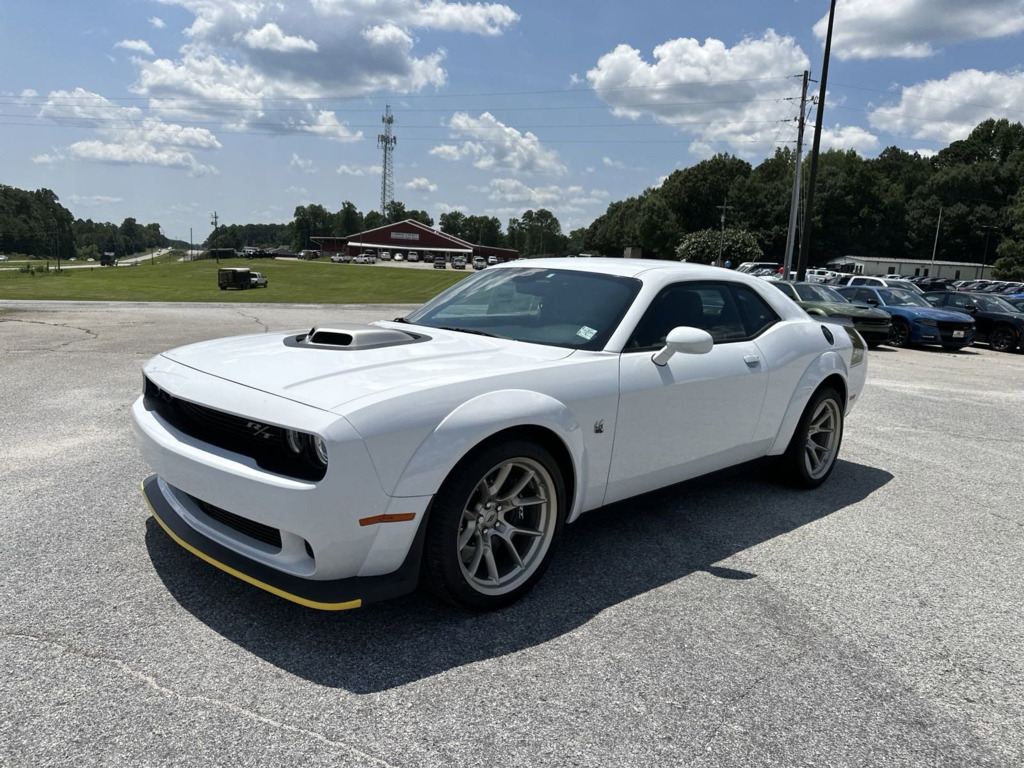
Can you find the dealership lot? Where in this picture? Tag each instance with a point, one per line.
(730, 622)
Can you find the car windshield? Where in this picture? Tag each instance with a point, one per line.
(561, 307)
(813, 292)
(993, 304)
(897, 297)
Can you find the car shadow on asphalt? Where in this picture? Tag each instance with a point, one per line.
(610, 555)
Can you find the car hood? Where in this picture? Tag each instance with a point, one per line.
(329, 378)
(846, 309)
(931, 313)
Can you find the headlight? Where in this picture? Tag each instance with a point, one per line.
(294, 441)
(925, 321)
(321, 449)
(311, 447)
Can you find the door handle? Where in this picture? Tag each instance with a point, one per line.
(751, 360)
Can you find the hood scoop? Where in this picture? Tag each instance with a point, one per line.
(353, 337)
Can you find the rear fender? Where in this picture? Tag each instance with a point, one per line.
(821, 368)
(478, 419)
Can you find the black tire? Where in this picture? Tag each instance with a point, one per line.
(468, 555)
(1002, 339)
(899, 335)
(798, 463)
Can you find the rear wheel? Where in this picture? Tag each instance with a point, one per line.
(493, 526)
(812, 452)
(1002, 339)
(899, 336)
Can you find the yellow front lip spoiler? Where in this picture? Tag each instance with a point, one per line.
(322, 606)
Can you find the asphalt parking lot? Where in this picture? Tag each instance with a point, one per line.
(876, 621)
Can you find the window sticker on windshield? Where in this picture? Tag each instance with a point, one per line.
(586, 332)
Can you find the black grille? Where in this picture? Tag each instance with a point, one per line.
(250, 528)
(946, 328)
(264, 443)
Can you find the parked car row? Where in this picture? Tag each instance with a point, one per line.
(900, 317)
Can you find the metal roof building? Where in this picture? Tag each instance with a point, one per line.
(867, 265)
(410, 235)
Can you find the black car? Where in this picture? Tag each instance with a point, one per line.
(997, 321)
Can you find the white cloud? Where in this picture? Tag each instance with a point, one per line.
(494, 146)
(138, 154)
(58, 156)
(421, 184)
(867, 29)
(29, 93)
(128, 137)
(571, 199)
(948, 110)
(234, 54)
(613, 163)
(93, 201)
(479, 18)
(139, 46)
(447, 208)
(326, 124)
(302, 164)
(355, 170)
(849, 137)
(737, 97)
(156, 22)
(270, 38)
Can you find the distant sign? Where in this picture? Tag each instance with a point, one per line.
(405, 236)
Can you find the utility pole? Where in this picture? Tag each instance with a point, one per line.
(721, 242)
(794, 205)
(935, 246)
(984, 259)
(387, 144)
(214, 222)
(190, 248)
(805, 236)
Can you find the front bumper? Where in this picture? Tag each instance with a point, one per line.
(333, 595)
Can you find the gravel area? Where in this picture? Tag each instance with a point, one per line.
(726, 622)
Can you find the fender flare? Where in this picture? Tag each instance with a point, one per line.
(825, 365)
(478, 419)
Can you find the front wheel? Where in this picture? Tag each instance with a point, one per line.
(494, 525)
(1002, 339)
(812, 452)
(899, 336)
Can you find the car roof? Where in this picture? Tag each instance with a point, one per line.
(626, 267)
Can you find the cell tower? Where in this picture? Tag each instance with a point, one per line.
(387, 143)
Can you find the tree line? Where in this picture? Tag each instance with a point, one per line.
(35, 224)
(534, 233)
(886, 207)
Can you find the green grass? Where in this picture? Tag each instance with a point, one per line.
(313, 282)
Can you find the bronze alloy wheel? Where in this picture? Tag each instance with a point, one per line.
(494, 525)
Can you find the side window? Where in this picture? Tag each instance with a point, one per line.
(728, 312)
(865, 295)
(858, 281)
(959, 300)
(755, 313)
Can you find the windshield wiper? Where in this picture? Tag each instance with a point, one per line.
(399, 320)
(471, 330)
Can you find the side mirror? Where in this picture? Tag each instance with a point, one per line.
(872, 302)
(972, 308)
(691, 341)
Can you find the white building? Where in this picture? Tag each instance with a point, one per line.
(955, 270)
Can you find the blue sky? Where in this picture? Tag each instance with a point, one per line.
(166, 110)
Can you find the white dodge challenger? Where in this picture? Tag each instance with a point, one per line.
(340, 466)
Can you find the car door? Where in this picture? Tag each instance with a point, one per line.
(697, 413)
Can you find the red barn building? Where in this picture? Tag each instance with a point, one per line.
(410, 235)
